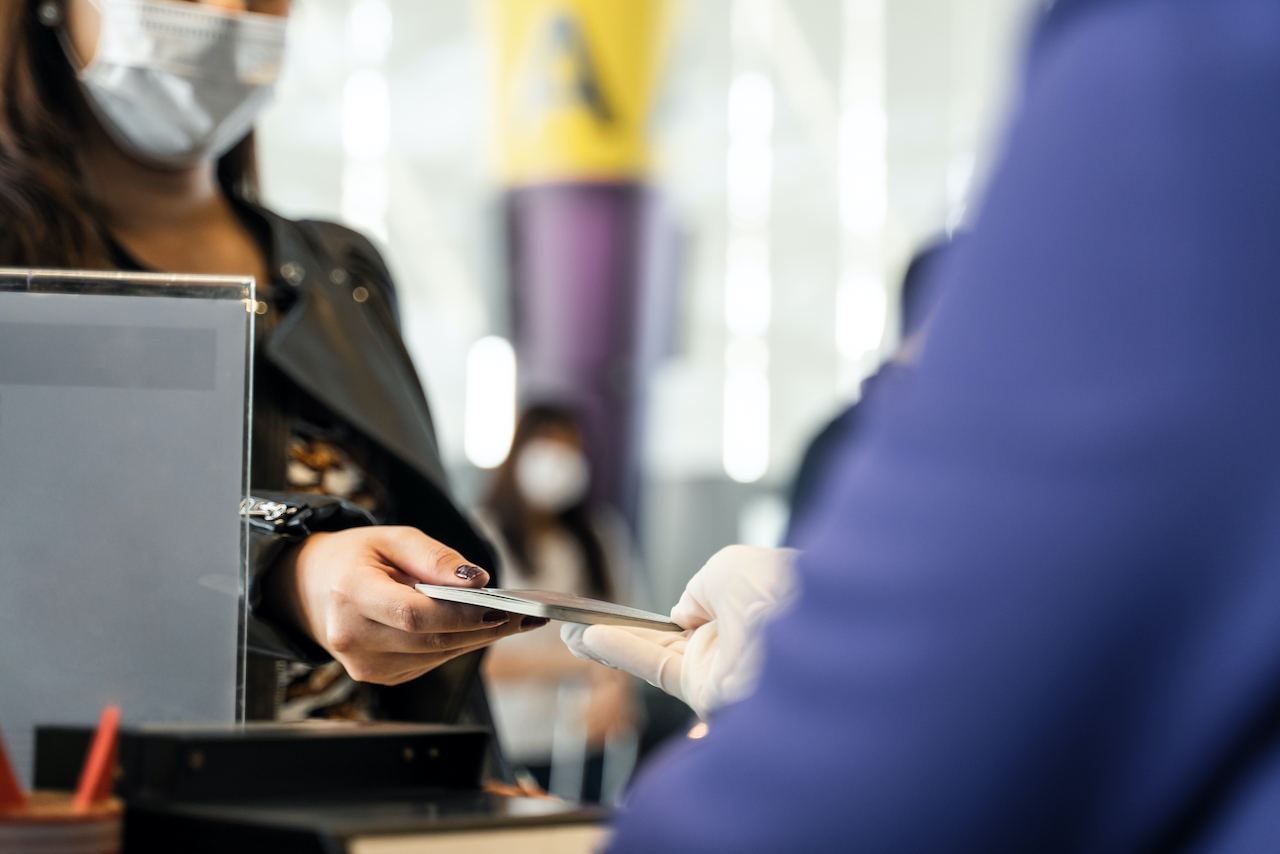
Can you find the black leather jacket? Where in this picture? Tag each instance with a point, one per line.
(333, 333)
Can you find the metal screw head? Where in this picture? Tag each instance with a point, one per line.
(195, 759)
(407, 753)
(260, 307)
(360, 294)
(49, 13)
(434, 753)
(338, 276)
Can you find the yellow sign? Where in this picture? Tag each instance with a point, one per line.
(574, 83)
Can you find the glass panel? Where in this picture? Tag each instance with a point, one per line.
(124, 456)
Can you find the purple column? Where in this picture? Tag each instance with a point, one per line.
(591, 285)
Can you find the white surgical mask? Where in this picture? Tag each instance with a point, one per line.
(175, 83)
(551, 476)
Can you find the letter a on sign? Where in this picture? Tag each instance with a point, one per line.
(574, 84)
(562, 73)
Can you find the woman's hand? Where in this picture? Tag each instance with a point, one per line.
(352, 593)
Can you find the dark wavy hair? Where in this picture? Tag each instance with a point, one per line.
(47, 217)
(505, 502)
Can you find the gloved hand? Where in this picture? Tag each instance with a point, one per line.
(715, 661)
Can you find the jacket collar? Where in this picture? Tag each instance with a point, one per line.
(345, 353)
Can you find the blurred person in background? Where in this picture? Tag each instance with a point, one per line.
(126, 144)
(1036, 605)
(552, 536)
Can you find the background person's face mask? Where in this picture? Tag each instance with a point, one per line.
(175, 83)
(551, 476)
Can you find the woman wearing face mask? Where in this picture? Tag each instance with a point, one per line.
(125, 144)
(553, 537)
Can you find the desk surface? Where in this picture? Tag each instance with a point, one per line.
(437, 822)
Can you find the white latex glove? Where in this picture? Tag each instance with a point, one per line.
(716, 660)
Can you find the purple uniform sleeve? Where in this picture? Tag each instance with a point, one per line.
(1040, 605)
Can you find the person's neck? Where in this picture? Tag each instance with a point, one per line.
(174, 221)
(138, 200)
(540, 523)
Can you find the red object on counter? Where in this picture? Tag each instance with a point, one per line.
(11, 795)
(99, 767)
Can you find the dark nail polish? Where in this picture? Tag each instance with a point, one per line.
(466, 573)
(533, 623)
(495, 617)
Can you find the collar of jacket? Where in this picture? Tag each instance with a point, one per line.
(347, 353)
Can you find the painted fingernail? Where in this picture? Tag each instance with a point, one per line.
(495, 618)
(466, 573)
(533, 623)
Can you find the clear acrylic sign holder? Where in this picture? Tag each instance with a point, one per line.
(124, 458)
